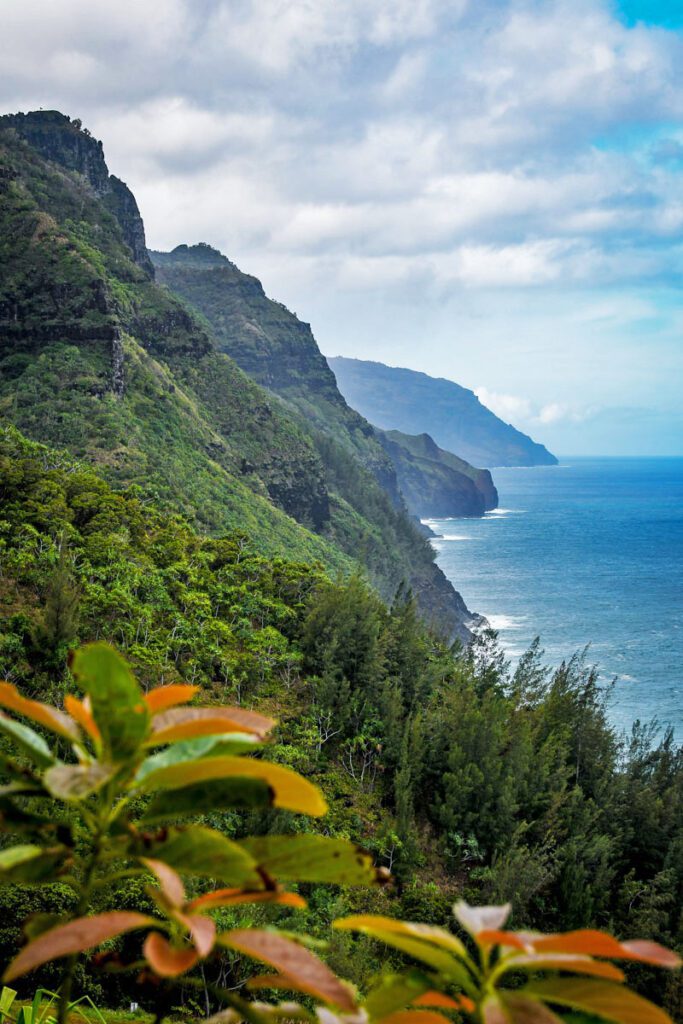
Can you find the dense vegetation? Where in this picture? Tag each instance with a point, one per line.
(97, 357)
(144, 764)
(462, 778)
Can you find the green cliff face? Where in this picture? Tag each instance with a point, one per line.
(400, 399)
(97, 357)
(435, 483)
(280, 352)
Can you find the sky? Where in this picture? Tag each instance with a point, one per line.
(485, 190)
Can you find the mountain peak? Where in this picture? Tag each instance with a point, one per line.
(64, 141)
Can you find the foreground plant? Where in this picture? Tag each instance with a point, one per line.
(105, 804)
(137, 765)
(509, 977)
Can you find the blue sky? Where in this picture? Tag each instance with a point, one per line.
(653, 12)
(487, 190)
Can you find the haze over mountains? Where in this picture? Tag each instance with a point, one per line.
(401, 399)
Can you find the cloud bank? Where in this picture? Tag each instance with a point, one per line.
(442, 183)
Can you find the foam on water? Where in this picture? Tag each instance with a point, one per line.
(506, 622)
(450, 536)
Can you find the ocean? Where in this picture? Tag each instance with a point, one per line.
(587, 552)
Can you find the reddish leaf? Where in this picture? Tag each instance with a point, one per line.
(415, 1017)
(233, 897)
(594, 943)
(163, 697)
(169, 880)
(201, 929)
(187, 723)
(615, 1002)
(75, 937)
(45, 714)
(166, 960)
(301, 968)
(521, 1010)
(652, 953)
(481, 919)
(80, 712)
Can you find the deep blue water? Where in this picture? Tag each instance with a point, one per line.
(590, 551)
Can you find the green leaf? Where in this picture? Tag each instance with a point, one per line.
(28, 741)
(396, 991)
(311, 858)
(76, 781)
(614, 1002)
(117, 702)
(7, 997)
(29, 863)
(190, 750)
(290, 791)
(204, 851)
(219, 795)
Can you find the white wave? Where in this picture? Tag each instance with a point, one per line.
(499, 622)
(451, 536)
(502, 512)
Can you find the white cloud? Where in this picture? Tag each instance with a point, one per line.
(520, 410)
(456, 167)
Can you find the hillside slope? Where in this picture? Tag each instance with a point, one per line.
(414, 403)
(280, 352)
(97, 357)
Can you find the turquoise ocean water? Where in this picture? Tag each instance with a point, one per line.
(588, 552)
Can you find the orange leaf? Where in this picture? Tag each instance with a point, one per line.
(80, 712)
(298, 965)
(163, 697)
(495, 937)
(233, 897)
(166, 960)
(45, 714)
(75, 937)
(615, 1002)
(187, 723)
(594, 943)
(568, 962)
(169, 880)
(415, 1017)
(481, 919)
(433, 998)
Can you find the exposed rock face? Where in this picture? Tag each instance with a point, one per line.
(56, 137)
(399, 399)
(435, 483)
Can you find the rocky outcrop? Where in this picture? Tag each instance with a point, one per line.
(435, 483)
(66, 143)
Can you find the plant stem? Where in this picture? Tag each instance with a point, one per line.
(83, 904)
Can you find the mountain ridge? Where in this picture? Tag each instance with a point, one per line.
(398, 398)
(98, 358)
